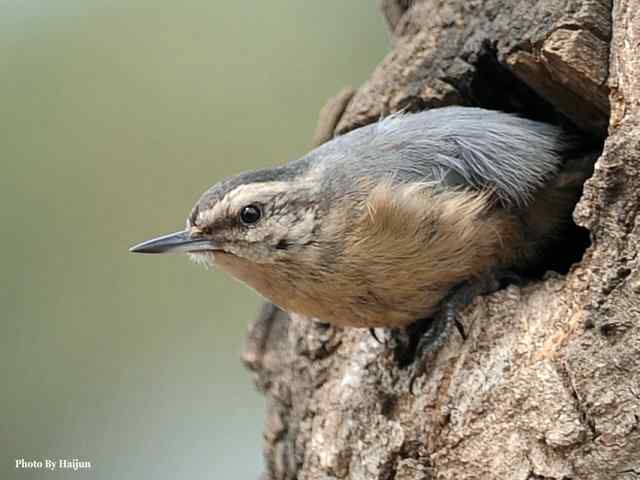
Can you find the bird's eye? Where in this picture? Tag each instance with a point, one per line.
(250, 214)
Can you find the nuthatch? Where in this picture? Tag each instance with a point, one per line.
(376, 227)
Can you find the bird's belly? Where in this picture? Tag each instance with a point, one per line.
(346, 305)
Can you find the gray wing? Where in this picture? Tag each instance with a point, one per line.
(464, 146)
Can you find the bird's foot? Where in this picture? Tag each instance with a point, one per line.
(425, 337)
(434, 337)
(372, 332)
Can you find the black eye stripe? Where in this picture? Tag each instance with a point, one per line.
(250, 214)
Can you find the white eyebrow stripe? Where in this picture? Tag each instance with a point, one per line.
(241, 195)
(256, 192)
(252, 193)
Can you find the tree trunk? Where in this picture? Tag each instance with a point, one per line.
(547, 382)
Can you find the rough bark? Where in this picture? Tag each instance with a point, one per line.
(547, 382)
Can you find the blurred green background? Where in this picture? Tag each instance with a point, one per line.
(116, 115)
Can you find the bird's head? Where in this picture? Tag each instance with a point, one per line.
(255, 221)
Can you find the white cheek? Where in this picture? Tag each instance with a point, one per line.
(206, 259)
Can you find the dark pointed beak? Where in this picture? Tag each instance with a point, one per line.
(183, 241)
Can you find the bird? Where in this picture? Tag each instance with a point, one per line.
(391, 223)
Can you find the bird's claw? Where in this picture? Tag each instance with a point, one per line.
(458, 298)
(372, 332)
(431, 341)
